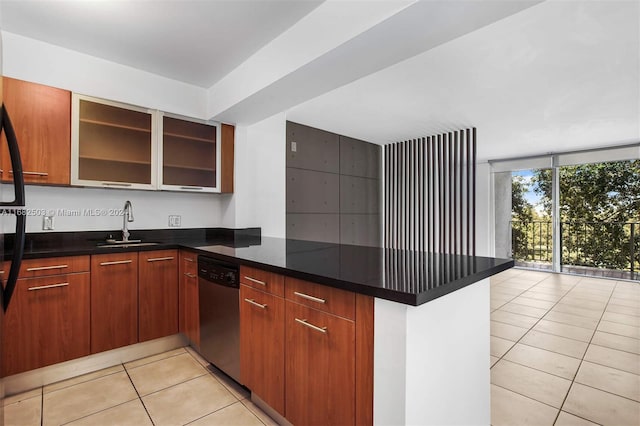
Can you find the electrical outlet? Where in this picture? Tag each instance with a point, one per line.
(175, 221)
(47, 223)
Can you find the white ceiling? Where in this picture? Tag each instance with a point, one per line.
(558, 76)
(532, 78)
(197, 42)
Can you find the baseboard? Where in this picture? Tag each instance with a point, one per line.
(28, 380)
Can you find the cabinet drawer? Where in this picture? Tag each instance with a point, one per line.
(53, 266)
(328, 299)
(188, 263)
(262, 280)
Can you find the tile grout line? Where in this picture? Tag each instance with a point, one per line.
(252, 412)
(151, 362)
(573, 381)
(139, 397)
(536, 323)
(214, 411)
(99, 411)
(83, 382)
(223, 385)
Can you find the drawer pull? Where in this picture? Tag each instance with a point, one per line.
(188, 259)
(314, 327)
(190, 275)
(44, 287)
(254, 303)
(306, 296)
(159, 259)
(46, 268)
(197, 188)
(125, 185)
(116, 262)
(42, 174)
(253, 280)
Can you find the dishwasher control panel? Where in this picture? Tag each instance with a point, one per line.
(219, 272)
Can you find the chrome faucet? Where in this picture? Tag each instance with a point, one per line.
(127, 216)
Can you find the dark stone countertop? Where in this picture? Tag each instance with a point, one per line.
(407, 277)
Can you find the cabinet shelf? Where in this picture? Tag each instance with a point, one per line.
(115, 160)
(191, 138)
(178, 166)
(116, 125)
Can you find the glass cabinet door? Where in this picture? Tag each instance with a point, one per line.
(113, 144)
(189, 155)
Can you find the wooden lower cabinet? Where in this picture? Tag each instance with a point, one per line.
(189, 312)
(320, 367)
(158, 294)
(262, 345)
(46, 323)
(114, 301)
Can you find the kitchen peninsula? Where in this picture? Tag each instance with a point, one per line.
(424, 317)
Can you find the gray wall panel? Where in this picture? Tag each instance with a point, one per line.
(312, 192)
(333, 187)
(315, 149)
(359, 158)
(359, 195)
(360, 229)
(314, 227)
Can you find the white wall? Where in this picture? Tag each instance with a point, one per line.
(260, 186)
(484, 211)
(33, 60)
(40, 62)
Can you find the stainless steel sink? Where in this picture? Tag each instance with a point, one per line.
(125, 245)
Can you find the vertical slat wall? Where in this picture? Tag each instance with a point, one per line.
(430, 193)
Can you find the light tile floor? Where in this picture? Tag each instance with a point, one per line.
(172, 388)
(565, 350)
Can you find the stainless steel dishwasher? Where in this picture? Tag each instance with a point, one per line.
(218, 290)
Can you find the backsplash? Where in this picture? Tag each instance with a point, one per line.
(89, 209)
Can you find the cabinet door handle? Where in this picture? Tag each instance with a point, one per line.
(46, 268)
(198, 188)
(126, 185)
(42, 174)
(314, 327)
(116, 262)
(253, 280)
(254, 303)
(306, 296)
(44, 287)
(188, 259)
(190, 275)
(158, 259)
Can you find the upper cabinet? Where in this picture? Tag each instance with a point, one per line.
(112, 144)
(41, 117)
(190, 155)
(122, 146)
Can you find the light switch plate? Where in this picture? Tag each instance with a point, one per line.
(175, 221)
(47, 223)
